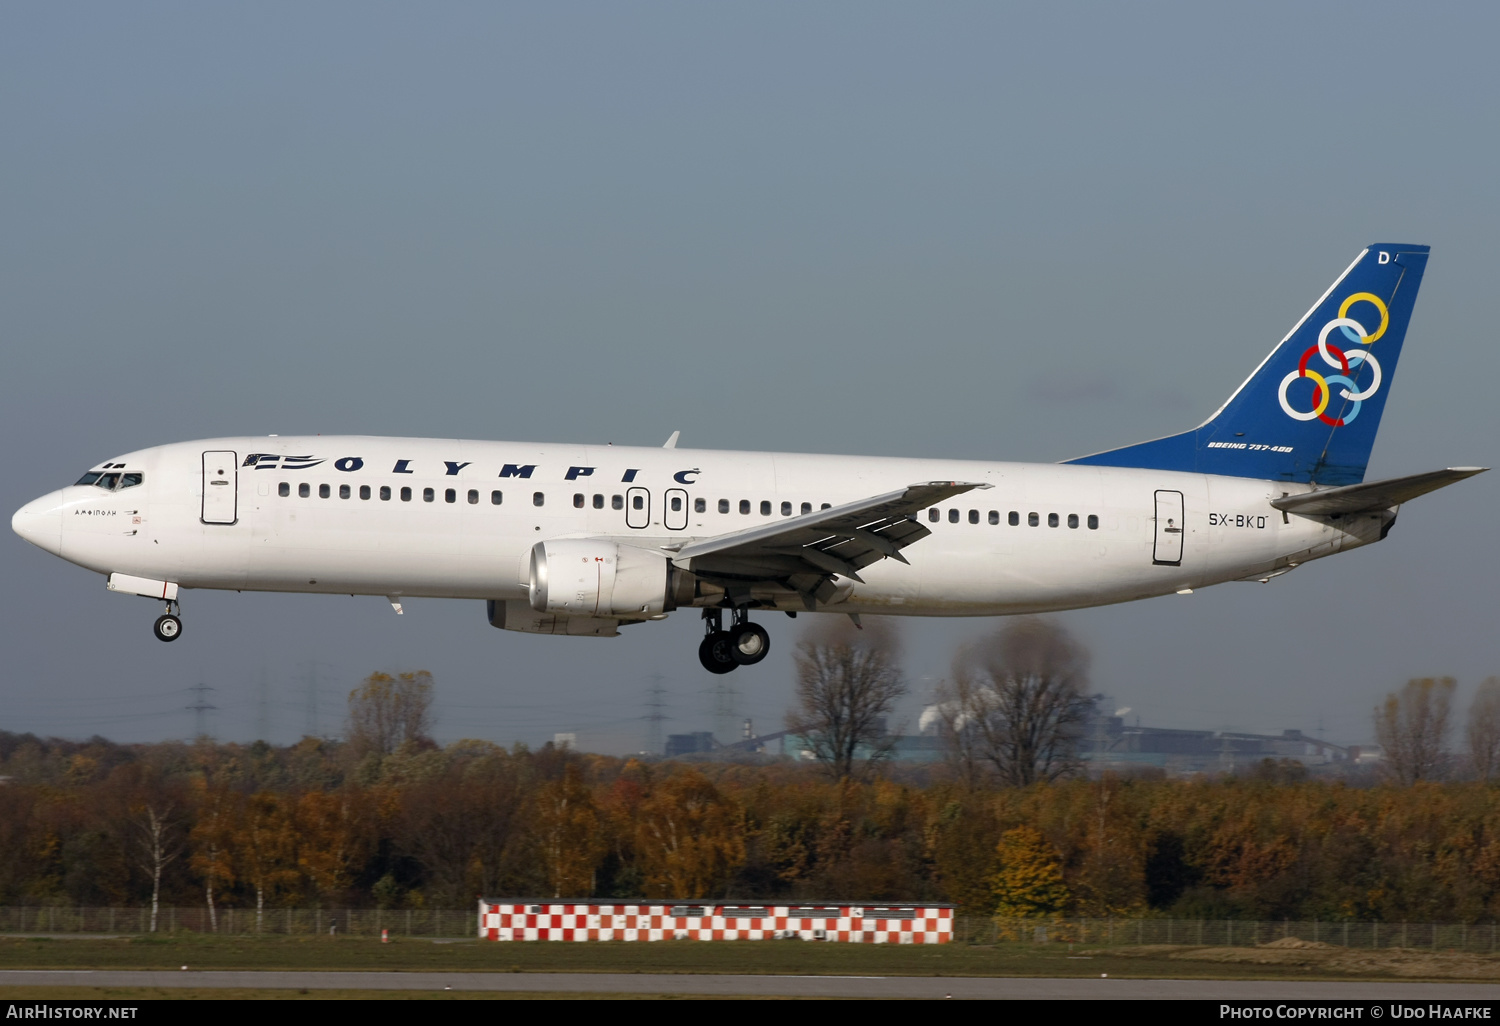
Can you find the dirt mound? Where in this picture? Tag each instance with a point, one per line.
(1315, 956)
(1298, 944)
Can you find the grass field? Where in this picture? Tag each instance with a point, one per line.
(778, 957)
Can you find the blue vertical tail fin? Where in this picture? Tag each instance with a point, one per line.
(1310, 411)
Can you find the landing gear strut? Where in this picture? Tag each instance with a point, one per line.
(744, 644)
(168, 626)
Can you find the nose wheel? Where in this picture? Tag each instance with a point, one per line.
(168, 626)
(743, 644)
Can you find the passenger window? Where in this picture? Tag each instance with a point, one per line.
(538, 499)
(283, 489)
(344, 492)
(700, 505)
(1093, 522)
(428, 495)
(994, 516)
(786, 509)
(131, 480)
(765, 508)
(806, 508)
(637, 502)
(953, 516)
(364, 491)
(473, 496)
(1073, 521)
(617, 502)
(598, 500)
(450, 495)
(723, 505)
(90, 478)
(406, 495)
(1014, 519)
(676, 504)
(1051, 519)
(745, 506)
(973, 516)
(578, 500)
(495, 498)
(108, 480)
(825, 506)
(324, 492)
(385, 493)
(304, 490)
(1033, 520)
(933, 515)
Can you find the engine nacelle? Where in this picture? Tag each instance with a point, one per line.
(594, 577)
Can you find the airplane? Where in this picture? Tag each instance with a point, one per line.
(582, 540)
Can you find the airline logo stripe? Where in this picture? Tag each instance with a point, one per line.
(507, 920)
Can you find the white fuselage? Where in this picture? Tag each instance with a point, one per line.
(461, 543)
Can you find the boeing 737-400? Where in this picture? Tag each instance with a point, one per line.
(585, 539)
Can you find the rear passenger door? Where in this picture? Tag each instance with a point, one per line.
(1169, 533)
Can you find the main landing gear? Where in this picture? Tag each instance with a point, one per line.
(744, 644)
(168, 626)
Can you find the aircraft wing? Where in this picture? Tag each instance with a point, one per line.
(807, 551)
(1362, 498)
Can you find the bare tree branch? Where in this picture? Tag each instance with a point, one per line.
(1412, 726)
(1022, 700)
(1483, 730)
(847, 685)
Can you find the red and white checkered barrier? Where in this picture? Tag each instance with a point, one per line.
(507, 919)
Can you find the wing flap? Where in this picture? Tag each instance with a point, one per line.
(1375, 495)
(839, 541)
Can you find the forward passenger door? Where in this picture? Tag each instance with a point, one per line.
(220, 488)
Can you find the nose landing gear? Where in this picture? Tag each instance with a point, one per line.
(744, 644)
(168, 626)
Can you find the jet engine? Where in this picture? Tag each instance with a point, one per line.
(597, 577)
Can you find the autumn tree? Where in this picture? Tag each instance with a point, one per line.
(266, 847)
(154, 813)
(848, 683)
(1483, 730)
(1412, 726)
(327, 839)
(1029, 879)
(568, 824)
(1019, 699)
(386, 712)
(465, 825)
(212, 841)
(688, 837)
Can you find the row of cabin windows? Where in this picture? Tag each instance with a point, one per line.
(699, 505)
(1014, 518)
(537, 498)
(428, 494)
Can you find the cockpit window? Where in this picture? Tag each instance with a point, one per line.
(110, 480)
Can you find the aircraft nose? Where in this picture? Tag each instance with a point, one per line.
(40, 522)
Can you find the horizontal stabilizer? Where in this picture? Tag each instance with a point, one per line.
(1362, 498)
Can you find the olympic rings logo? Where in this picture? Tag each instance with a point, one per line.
(1340, 360)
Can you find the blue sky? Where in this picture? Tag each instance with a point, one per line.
(975, 230)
